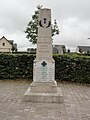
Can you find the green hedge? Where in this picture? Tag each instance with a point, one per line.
(75, 69)
(16, 66)
(67, 68)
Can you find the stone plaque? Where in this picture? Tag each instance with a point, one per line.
(43, 71)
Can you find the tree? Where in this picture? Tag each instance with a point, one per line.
(14, 48)
(32, 27)
(68, 51)
(32, 50)
(88, 52)
(80, 50)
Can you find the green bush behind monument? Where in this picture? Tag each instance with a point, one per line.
(16, 66)
(74, 69)
(67, 67)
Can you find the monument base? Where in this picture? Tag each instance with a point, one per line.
(43, 92)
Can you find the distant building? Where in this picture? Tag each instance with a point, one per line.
(83, 49)
(31, 50)
(59, 49)
(7, 45)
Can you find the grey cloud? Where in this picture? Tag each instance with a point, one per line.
(73, 17)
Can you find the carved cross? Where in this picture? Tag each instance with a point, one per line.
(44, 64)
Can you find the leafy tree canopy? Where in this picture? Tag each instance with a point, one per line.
(32, 27)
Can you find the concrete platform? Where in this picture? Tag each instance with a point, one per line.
(46, 92)
(43, 97)
(43, 87)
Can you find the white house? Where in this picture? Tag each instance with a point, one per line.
(7, 45)
(83, 49)
(59, 49)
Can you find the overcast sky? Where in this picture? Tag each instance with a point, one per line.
(73, 18)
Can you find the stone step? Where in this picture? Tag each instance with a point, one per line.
(43, 97)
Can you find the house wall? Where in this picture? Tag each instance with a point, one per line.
(77, 50)
(5, 46)
(59, 49)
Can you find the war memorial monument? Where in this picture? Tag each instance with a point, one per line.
(44, 87)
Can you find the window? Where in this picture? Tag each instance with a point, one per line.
(3, 44)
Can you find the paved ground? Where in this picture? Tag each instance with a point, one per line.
(76, 104)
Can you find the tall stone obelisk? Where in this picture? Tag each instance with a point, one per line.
(44, 87)
(44, 63)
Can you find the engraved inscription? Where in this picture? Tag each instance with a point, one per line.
(44, 71)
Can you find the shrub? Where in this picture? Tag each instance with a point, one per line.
(67, 67)
(16, 66)
(75, 69)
